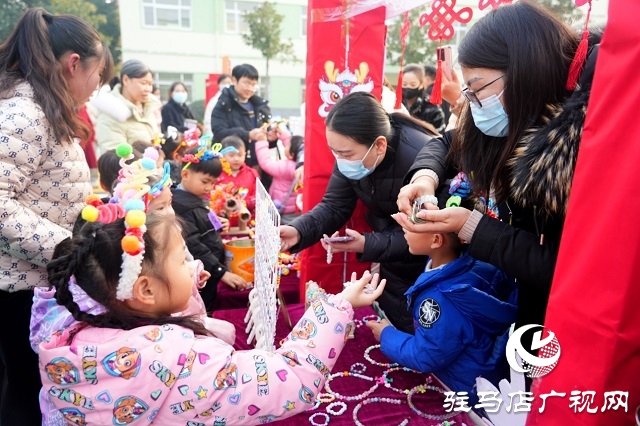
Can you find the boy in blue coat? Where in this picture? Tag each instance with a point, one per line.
(462, 311)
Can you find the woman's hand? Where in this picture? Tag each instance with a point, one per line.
(451, 219)
(422, 185)
(234, 281)
(377, 327)
(363, 292)
(451, 89)
(289, 237)
(356, 245)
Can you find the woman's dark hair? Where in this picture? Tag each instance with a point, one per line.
(416, 69)
(223, 77)
(296, 145)
(245, 70)
(32, 53)
(361, 117)
(176, 84)
(94, 257)
(533, 49)
(211, 167)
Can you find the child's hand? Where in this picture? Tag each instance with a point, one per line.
(363, 292)
(225, 223)
(202, 279)
(234, 281)
(377, 327)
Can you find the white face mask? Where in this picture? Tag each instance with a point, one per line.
(179, 97)
(491, 119)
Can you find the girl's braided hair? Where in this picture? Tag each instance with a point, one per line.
(94, 255)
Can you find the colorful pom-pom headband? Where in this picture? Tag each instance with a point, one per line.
(205, 154)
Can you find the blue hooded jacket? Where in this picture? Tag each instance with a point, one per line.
(462, 313)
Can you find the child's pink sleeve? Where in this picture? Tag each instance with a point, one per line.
(276, 168)
(265, 386)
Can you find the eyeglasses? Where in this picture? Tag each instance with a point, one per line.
(472, 96)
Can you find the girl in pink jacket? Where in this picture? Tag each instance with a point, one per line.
(282, 170)
(136, 362)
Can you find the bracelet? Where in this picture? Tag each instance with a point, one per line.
(381, 364)
(343, 408)
(372, 400)
(387, 380)
(326, 419)
(423, 389)
(364, 394)
(358, 323)
(358, 368)
(325, 397)
(372, 317)
(431, 199)
(315, 406)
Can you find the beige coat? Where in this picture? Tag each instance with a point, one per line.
(119, 120)
(42, 189)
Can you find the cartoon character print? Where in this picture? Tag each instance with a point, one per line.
(187, 363)
(304, 330)
(125, 363)
(62, 371)
(226, 378)
(220, 421)
(127, 409)
(291, 358)
(73, 416)
(154, 335)
(306, 395)
(269, 418)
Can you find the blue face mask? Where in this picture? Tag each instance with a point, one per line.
(355, 169)
(491, 119)
(179, 97)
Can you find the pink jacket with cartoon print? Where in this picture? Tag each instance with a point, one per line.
(167, 375)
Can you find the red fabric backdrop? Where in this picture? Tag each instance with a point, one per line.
(326, 41)
(593, 305)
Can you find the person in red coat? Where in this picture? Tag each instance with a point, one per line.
(242, 176)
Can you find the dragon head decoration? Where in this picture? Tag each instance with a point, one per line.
(335, 85)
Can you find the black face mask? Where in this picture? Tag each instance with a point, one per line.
(408, 93)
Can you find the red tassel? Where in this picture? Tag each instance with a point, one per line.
(399, 89)
(580, 56)
(404, 32)
(436, 92)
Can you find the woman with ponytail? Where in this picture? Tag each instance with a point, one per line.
(142, 358)
(49, 66)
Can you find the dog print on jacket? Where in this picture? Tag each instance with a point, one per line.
(125, 363)
(167, 375)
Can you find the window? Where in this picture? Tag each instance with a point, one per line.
(303, 21)
(164, 80)
(233, 20)
(460, 32)
(167, 13)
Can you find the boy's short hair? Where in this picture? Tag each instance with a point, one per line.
(109, 167)
(171, 146)
(140, 146)
(245, 70)
(234, 141)
(211, 167)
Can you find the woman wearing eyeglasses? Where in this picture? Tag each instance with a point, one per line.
(517, 141)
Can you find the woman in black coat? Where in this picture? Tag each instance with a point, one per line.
(176, 110)
(517, 140)
(373, 150)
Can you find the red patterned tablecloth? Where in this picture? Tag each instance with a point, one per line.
(371, 414)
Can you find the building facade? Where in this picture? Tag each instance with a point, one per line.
(186, 40)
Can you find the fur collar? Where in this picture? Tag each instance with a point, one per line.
(543, 163)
